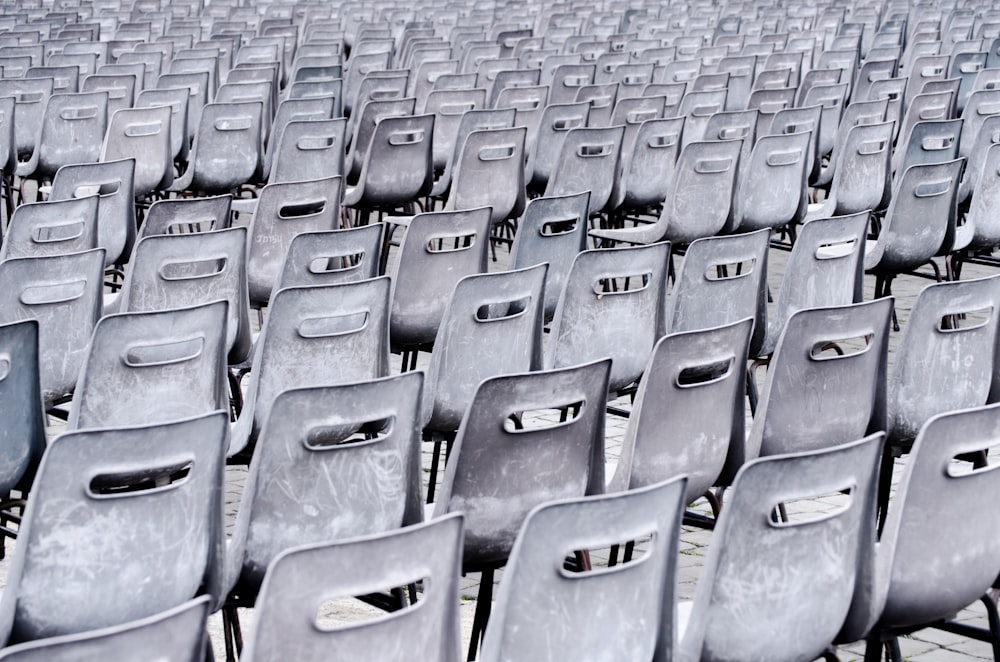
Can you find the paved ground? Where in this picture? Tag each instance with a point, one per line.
(924, 646)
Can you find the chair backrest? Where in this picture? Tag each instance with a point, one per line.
(283, 211)
(65, 294)
(175, 635)
(22, 438)
(773, 191)
(490, 172)
(177, 99)
(694, 385)
(72, 131)
(448, 106)
(933, 563)
(648, 168)
(155, 493)
(610, 307)
(439, 249)
(142, 134)
(722, 280)
(228, 150)
(602, 102)
(535, 587)
(492, 326)
(187, 215)
(335, 256)
(113, 181)
(51, 228)
(317, 336)
(498, 470)
(197, 84)
(30, 98)
(153, 367)
(588, 160)
(120, 89)
(180, 270)
(981, 220)
(556, 121)
(811, 580)
(930, 141)
(862, 175)
(943, 362)
(366, 433)
(825, 268)
(842, 352)
(305, 577)
(8, 139)
(397, 167)
(309, 149)
(701, 196)
(368, 116)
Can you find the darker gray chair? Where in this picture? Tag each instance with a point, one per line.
(302, 578)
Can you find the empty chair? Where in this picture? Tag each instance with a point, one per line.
(689, 410)
(120, 89)
(65, 294)
(489, 172)
(22, 439)
(933, 141)
(198, 94)
(315, 336)
(153, 367)
(826, 381)
(448, 106)
(555, 123)
(732, 606)
(609, 308)
(187, 215)
(51, 228)
(169, 528)
(498, 471)
(862, 175)
(370, 438)
(72, 131)
(588, 161)
(722, 280)
(142, 134)
(179, 634)
(306, 576)
(475, 120)
(772, 192)
(30, 98)
(180, 270)
(309, 149)
(534, 587)
(284, 210)
(177, 100)
(649, 164)
(227, 151)
(366, 118)
(335, 256)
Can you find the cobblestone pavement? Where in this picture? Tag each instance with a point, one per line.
(923, 646)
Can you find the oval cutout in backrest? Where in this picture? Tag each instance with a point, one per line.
(558, 227)
(233, 123)
(704, 374)
(384, 93)
(140, 130)
(639, 116)
(971, 319)
(567, 123)
(301, 209)
(333, 326)
(712, 166)
(97, 188)
(450, 243)
(5, 366)
(342, 612)
(78, 113)
(832, 349)
(784, 158)
(934, 143)
(335, 263)
(190, 270)
(932, 113)
(53, 293)
(988, 109)
(802, 511)
(869, 147)
(497, 152)
(576, 81)
(799, 127)
(29, 97)
(730, 270)
(733, 132)
(115, 92)
(502, 310)
(601, 101)
(544, 418)
(151, 355)
(308, 143)
(397, 138)
(771, 107)
(456, 108)
(663, 140)
(56, 232)
(704, 110)
(191, 225)
(525, 104)
(125, 484)
(931, 70)
(835, 249)
(622, 284)
(932, 189)
(595, 150)
(320, 438)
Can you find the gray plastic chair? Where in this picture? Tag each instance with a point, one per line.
(366, 119)
(142, 134)
(824, 268)
(120, 89)
(197, 86)
(113, 181)
(499, 471)
(51, 228)
(489, 172)
(187, 215)
(811, 565)
(931, 561)
(227, 150)
(596, 319)
(180, 270)
(861, 178)
(932, 141)
(153, 367)
(72, 130)
(177, 100)
(448, 106)
(474, 120)
(30, 98)
(302, 578)
(169, 528)
(772, 192)
(309, 149)
(689, 410)
(283, 211)
(438, 250)
(649, 166)
(589, 160)
(544, 612)
(328, 258)
(722, 280)
(545, 146)
(22, 438)
(856, 113)
(178, 634)
(64, 293)
(369, 439)
(315, 336)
